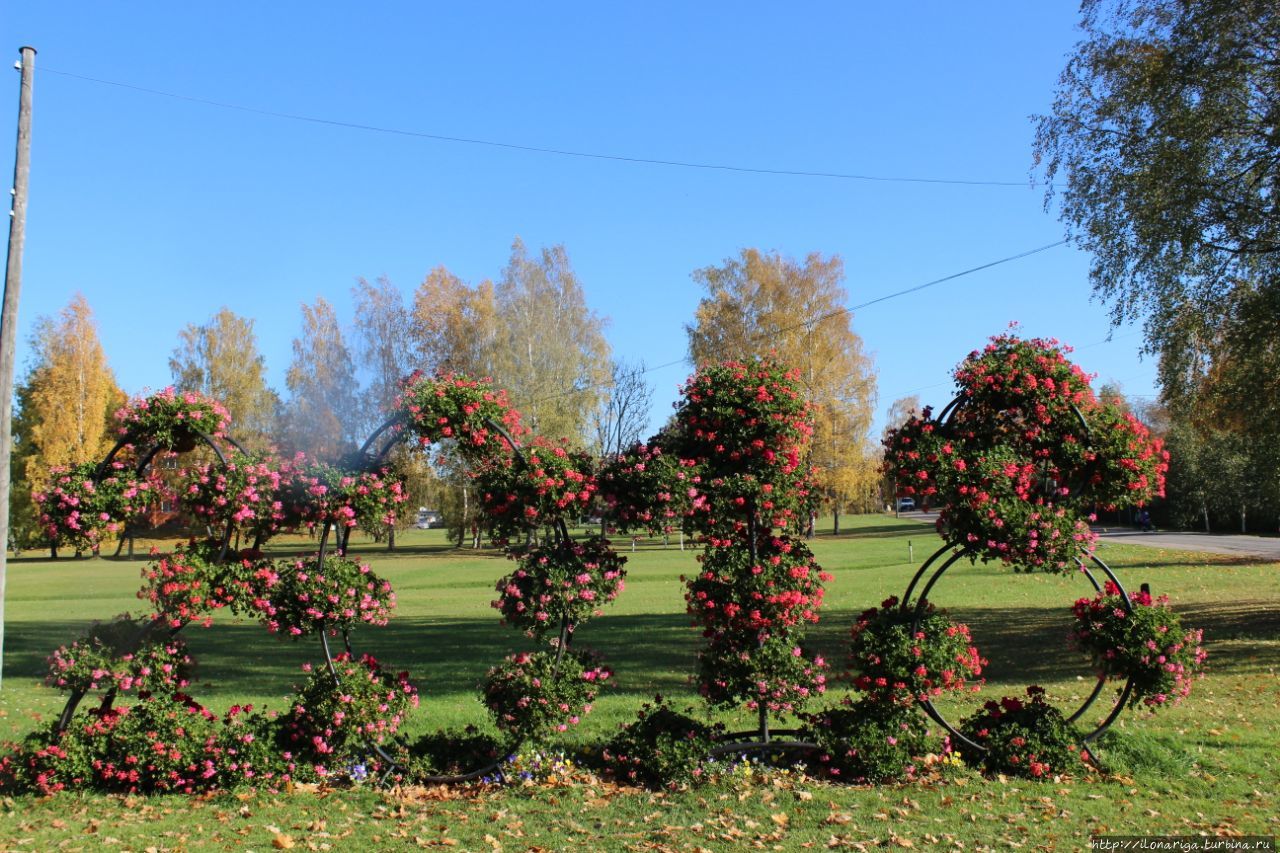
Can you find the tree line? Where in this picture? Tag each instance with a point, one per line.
(530, 328)
(1162, 155)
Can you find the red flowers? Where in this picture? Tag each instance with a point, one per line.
(1147, 644)
(739, 435)
(1024, 456)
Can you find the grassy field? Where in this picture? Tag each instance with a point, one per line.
(1211, 765)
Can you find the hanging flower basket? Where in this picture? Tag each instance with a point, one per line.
(172, 420)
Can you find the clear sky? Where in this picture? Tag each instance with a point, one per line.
(162, 210)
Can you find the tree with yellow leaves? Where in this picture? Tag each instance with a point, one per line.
(764, 303)
(66, 404)
(220, 359)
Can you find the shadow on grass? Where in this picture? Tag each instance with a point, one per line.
(649, 653)
(882, 531)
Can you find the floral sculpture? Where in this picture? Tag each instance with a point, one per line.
(1016, 465)
(556, 585)
(164, 740)
(740, 439)
(1019, 461)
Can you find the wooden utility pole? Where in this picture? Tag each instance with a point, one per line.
(9, 317)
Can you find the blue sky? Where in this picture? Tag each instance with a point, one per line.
(162, 210)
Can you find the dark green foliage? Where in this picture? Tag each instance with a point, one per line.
(447, 752)
(867, 741)
(1022, 738)
(663, 748)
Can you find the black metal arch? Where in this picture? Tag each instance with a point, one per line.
(149, 628)
(922, 606)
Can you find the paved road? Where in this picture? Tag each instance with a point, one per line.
(1236, 544)
(1210, 543)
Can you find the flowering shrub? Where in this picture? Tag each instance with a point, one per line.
(180, 585)
(779, 589)
(555, 481)
(661, 748)
(738, 443)
(172, 420)
(244, 494)
(106, 657)
(158, 745)
(743, 428)
(249, 750)
(332, 720)
(1022, 738)
(646, 488)
(870, 741)
(773, 675)
(447, 752)
(300, 598)
(1024, 456)
(321, 494)
(449, 406)
(896, 666)
(562, 583)
(1148, 644)
(530, 698)
(80, 509)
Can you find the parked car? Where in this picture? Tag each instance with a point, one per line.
(906, 504)
(428, 518)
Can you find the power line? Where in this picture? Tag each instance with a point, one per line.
(839, 312)
(535, 149)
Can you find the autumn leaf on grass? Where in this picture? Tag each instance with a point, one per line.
(282, 842)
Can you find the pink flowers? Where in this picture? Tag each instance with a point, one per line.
(739, 436)
(1024, 455)
(896, 667)
(172, 420)
(557, 584)
(442, 406)
(1148, 645)
(85, 504)
(534, 694)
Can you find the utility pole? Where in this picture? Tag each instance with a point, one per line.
(9, 315)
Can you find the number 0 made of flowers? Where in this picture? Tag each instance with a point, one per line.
(1016, 466)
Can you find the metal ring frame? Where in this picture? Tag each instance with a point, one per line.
(922, 606)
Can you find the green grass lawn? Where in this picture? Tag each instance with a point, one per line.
(1209, 765)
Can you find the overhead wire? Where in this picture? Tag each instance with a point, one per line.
(839, 312)
(463, 140)
(537, 149)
